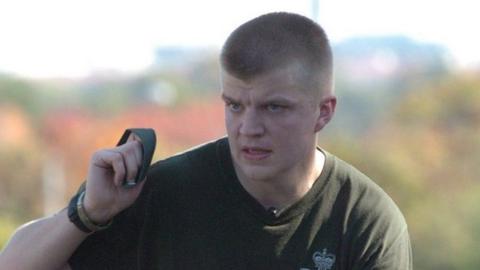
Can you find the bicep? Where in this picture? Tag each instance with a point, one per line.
(397, 256)
(389, 255)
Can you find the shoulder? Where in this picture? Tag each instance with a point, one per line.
(194, 158)
(366, 203)
(365, 194)
(181, 177)
(197, 165)
(373, 223)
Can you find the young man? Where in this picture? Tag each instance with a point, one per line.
(265, 197)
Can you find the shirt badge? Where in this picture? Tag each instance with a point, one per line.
(322, 260)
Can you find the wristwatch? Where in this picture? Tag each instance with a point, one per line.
(73, 214)
(78, 216)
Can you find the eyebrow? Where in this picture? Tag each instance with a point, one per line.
(227, 98)
(273, 99)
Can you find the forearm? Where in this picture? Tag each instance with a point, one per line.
(46, 243)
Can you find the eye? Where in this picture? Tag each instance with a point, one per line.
(234, 107)
(275, 107)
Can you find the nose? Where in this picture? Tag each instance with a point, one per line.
(251, 125)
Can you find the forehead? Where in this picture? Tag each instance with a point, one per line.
(283, 82)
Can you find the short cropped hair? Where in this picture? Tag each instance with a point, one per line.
(275, 40)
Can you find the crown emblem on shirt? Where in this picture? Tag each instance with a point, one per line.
(323, 260)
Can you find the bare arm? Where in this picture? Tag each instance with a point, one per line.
(46, 243)
(49, 242)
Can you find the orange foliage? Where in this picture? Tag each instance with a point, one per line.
(77, 134)
(15, 129)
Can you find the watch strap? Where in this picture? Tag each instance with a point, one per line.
(73, 214)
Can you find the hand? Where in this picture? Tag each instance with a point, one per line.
(105, 194)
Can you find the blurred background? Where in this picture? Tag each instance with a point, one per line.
(75, 74)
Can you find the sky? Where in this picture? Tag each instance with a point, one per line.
(73, 38)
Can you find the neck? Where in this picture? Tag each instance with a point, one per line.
(283, 191)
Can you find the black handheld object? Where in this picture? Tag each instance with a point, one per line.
(148, 141)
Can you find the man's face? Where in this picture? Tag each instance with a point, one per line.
(271, 123)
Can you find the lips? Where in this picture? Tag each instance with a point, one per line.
(255, 153)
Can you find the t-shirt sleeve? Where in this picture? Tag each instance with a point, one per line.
(380, 236)
(397, 255)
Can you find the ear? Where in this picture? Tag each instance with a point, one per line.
(327, 109)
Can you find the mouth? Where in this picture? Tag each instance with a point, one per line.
(255, 153)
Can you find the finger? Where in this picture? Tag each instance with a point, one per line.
(132, 162)
(132, 147)
(138, 148)
(136, 189)
(111, 159)
(138, 152)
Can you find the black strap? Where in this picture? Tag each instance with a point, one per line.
(148, 141)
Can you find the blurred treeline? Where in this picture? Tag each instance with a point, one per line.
(405, 117)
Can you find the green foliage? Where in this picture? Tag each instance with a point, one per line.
(7, 227)
(17, 91)
(426, 155)
(20, 192)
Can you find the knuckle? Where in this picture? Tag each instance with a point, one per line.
(129, 151)
(117, 156)
(134, 146)
(99, 155)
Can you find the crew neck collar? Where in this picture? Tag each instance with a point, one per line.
(240, 197)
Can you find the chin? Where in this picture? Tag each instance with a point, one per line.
(256, 172)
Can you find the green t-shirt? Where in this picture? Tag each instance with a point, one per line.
(193, 213)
